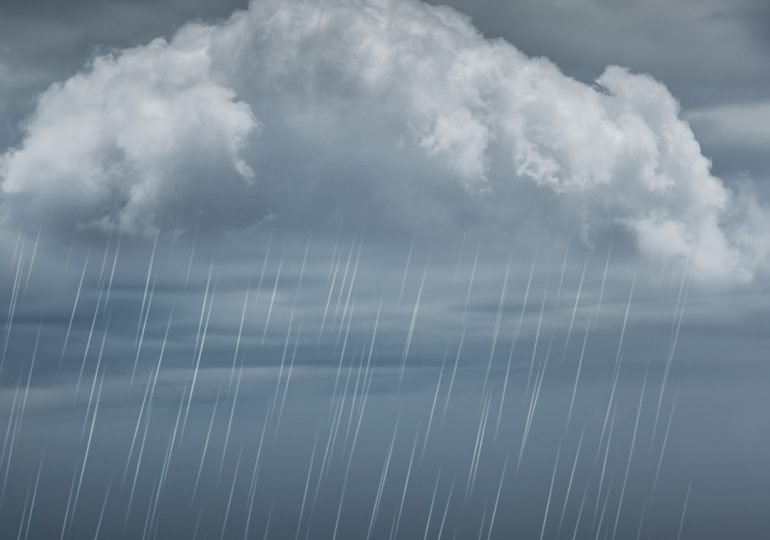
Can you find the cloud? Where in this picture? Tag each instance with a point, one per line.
(745, 125)
(136, 135)
(383, 114)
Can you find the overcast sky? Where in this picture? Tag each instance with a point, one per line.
(466, 223)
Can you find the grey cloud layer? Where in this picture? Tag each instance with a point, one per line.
(384, 114)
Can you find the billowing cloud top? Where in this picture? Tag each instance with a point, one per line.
(375, 112)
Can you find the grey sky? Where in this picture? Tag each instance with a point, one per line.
(345, 227)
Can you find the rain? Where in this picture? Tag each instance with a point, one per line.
(347, 390)
(384, 270)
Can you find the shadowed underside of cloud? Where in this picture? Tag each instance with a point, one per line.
(382, 114)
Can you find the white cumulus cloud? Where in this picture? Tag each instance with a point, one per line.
(381, 113)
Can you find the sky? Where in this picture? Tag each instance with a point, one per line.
(384, 269)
